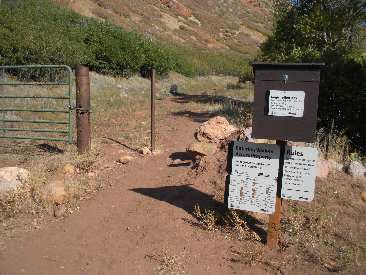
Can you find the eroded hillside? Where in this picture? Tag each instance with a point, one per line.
(233, 25)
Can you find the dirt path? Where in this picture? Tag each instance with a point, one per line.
(140, 223)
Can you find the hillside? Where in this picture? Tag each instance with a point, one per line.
(231, 26)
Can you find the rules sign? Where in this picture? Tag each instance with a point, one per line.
(255, 170)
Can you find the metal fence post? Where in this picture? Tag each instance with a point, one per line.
(83, 108)
(153, 110)
(2, 78)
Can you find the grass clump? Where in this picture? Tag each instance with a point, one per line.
(170, 263)
(222, 218)
(315, 230)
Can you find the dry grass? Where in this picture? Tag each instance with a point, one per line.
(110, 97)
(321, 238)
(170, 263)
(334, 145)
(46, 167)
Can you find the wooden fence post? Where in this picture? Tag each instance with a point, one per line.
(83, 108)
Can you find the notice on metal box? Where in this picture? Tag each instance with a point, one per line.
(253, 181)
(299, 172)
(286, 103)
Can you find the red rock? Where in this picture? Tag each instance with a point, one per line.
(59, 211)
(201, 149)
(55, 192)
(322, 169)
(215, 130)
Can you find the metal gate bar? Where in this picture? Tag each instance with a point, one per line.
(4, 110)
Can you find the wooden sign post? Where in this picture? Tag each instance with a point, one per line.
(285, 109)
(275, 218)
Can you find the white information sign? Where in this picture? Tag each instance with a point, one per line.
(253, 182)
(286, 103)
(299, 172)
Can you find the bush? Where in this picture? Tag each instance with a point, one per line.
(331, 32)
(246, 75)
(39, 32)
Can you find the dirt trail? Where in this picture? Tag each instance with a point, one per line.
(140, 223)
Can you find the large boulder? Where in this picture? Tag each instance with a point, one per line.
(12, 178)
(356, 170)
(201, 149)
(215, 130)
(322, 168)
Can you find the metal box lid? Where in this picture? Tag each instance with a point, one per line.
(295, 72)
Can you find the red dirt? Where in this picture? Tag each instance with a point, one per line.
(141, 215)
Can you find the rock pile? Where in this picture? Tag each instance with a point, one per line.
(215, 130)
(210, 136)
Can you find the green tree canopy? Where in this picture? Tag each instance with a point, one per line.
(333, 32)
(309, 28)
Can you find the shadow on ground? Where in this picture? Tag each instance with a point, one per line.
(180, 159)
(186, 198)
(27, 148)
(122, 144)
(182, 196)
(211, 99)
(228, 105)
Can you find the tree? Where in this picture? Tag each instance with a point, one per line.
(310, 28)
(330, 31)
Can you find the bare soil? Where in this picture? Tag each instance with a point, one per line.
(141, 220)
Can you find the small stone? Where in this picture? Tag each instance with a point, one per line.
(125, 159)
(335, 165)
(201, 149)
(176, 161)
(59, 211)
(248, 134)
(145, 151)
(69, 169)
(55, 192)
(12, 177)
(322, 168)
(91, 174)
(357, 170)
(363, 196)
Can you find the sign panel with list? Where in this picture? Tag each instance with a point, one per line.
(299, 172)
(253, 181)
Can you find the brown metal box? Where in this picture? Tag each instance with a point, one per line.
(286, 77)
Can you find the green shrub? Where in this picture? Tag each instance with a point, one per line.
(39, 32)
(246, 74)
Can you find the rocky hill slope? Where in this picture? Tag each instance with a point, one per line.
(237, 26)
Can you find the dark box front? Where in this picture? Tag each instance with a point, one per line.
(286, 77)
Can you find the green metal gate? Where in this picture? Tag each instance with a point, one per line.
(7, 99)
